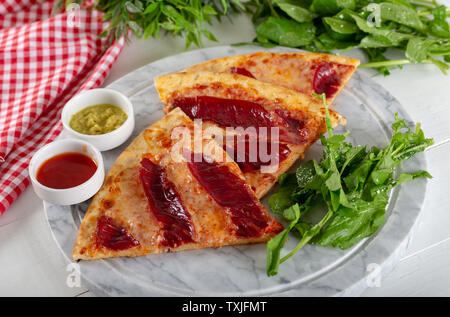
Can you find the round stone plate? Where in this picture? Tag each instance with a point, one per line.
(241, 270)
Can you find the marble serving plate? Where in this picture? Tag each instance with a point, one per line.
(240, 271)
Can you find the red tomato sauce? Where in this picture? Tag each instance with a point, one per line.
(66, 170)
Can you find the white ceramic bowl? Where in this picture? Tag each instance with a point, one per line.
(97, 96)
(73, 195)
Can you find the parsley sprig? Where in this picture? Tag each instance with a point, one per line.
(148, 18)
(351, 182)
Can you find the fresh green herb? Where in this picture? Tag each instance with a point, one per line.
(147, 18)
(417, 28)
(352, 183)
(287, 32)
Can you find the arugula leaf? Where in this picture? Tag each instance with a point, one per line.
(287, 32)
(295, 11)
(417, 49)
(343, 231)
(307, 235)
(328, 7)
(353, 183)
(398, 13)
(419, 30)
(376, 55)
(282, 199)
(340, 26)
(305, 175)
(439, 26)
(276, 244)
(383, 32)
(326, 43)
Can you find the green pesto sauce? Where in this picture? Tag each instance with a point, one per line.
(98, 119)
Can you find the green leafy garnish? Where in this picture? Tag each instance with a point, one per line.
(351, 182)
(147, 18)
(419, 29)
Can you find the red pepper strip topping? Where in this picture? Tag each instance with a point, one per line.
(293, 127)
(241, 113)
(232, 193)
(225, 112)
(112, 236)
(166, 205)
(326, 80)
(241, 71)
(248, 163)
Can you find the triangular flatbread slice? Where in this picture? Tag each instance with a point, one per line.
(304, 72)
(229, 101)
(159, 197)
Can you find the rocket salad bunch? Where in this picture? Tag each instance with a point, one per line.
(417, 28)
(351, 182)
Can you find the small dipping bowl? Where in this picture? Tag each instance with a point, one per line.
(109, 140)
(73, 195)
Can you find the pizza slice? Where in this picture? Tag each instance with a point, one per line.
(304, 72)
(265, 127)
(162, 194)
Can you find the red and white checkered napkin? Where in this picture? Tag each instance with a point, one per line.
(44, 61)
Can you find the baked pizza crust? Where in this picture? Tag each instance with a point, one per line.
(293, 70)
(232, 86)
(123, 199)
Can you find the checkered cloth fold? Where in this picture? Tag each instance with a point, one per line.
(44, 61)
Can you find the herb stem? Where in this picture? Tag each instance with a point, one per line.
(301, 244)
(272, 10)
(431, 3)
(428, 12)
(385, 63)
(439, 54)
(411, 149)
(323, 97)
(307, 237)
(397, 150)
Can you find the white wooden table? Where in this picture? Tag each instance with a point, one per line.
(31, 263)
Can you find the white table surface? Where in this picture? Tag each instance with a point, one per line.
(32, 265)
